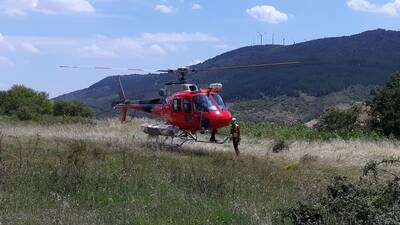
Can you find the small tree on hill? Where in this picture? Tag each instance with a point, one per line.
(385, 107)
(72, 109)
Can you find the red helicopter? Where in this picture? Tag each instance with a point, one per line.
(187, 109)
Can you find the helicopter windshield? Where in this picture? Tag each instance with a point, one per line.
(219, 101)
(203, 103)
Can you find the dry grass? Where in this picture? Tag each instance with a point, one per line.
(335, 152)
(48, 175)
(112, 173)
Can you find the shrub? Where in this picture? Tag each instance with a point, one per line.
(279, 146)
(339, 121)
(385, 108)
(24, 113)
(72, 109)
(25, 103)
(373, 199)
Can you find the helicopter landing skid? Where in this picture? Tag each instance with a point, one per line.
(167, 134)
(185, 137)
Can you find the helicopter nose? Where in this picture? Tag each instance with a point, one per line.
(221, 118)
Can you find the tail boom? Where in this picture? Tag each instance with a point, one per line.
(153, 109)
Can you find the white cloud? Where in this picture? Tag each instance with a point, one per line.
(4, 61)
(390, 8)
(22, 7)
(97, 52)
(5, 45)
(29, 47)
(196, 6)
(178, 37)
(266, 13)
(14, 12)
(157, 49)
(163, 9)
(8, 45)
(101, 46)
(145, 44)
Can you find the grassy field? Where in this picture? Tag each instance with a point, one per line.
(108, 173)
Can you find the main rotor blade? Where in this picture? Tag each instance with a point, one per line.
(103, 68)
(247, 66)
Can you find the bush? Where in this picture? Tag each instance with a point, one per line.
(339, 121)
(72, 109)
(385, 108)
(25, 103)
(24, 113)
(373, 199)
(279, 146)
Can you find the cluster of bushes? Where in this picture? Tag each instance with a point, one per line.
(373, 199)
(27, 104)
(341, 121)
(382, 114)
(385, 108)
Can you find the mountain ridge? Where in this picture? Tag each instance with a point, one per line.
(329, 65)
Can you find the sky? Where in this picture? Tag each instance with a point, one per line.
(38, 36)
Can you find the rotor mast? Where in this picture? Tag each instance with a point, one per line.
(182, 73)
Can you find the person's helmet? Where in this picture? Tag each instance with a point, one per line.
(233, 120)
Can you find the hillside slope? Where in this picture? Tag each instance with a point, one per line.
(328, 65)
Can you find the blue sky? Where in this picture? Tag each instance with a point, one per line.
(36, 36)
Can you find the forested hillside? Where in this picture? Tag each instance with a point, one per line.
(328, 65)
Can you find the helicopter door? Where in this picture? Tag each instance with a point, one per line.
(188, 112)
(177, 107)
(177, 115)
(176, 110)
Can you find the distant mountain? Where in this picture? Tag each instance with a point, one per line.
(328, 65)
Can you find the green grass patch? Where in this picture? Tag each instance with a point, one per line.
(80, 182)
(301, 132)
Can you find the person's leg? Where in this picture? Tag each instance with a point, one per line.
(236, 146)
(213, 138)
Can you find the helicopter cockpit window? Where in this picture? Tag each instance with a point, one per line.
(177, 105)
(193, 88)
(219, 101)
(203, 103)
(187, 105)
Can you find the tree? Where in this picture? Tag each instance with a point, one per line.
(25, 103)
(340, 121)
(385, 107)
(72, 109)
